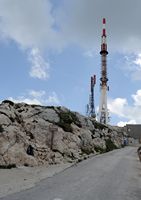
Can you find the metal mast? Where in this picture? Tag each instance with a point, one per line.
(90, 106)
(103, 111)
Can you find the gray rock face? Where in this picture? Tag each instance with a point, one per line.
(50, 115)
(33, 135)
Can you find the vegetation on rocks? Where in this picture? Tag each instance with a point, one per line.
(99, 149)
(66, 119)
(9, 102)
(110, 145)
(99, 126)
(87, 150)
(10, 166)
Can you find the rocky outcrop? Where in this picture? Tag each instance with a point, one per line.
(33, 135)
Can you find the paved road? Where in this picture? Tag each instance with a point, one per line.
(112, 176)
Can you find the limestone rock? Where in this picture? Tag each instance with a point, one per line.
(4, 120)
(49, 115)
(98, 142)
(85, 122)
(26, 136)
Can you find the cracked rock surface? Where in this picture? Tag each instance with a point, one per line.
(32, 135)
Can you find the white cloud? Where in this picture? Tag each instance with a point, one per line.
(26, 22)
(81, 23)
(39, 68)
(25, 100)
(37, 98)
(137, 98)
(117, 106)
(53, 99)
(42, 23)
(121, 108)
(37, 94)
(31, 25)
(137, 61)
(89, 53)
(131, 65)
(137, 68)
(123, 123)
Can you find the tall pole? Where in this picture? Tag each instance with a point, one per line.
(103, 111)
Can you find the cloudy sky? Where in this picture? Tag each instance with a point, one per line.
(49, 50)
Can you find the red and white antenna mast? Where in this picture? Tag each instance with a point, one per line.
(103, 111)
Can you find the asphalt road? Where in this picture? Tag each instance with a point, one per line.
(112, 176)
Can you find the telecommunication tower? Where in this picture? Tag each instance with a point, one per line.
(91, 106)
(103, 111)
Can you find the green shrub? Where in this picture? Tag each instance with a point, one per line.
(9, 102)
(110, 145)
(69, 117)
(98, 125)
(99, 149)
(65, 126)
(66, 119)
(8, 166)
(86, 150)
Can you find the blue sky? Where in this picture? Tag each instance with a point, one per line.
(49, 51)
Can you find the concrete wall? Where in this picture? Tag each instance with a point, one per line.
(134, 130)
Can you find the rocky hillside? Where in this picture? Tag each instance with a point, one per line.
(33, 135)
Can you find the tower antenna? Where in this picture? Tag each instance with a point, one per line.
(91, 105)
(103, 111)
